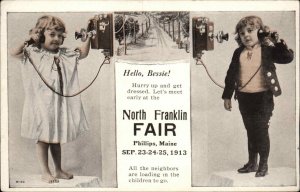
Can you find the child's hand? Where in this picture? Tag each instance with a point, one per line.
(33, 37)
(271, 37)
(227, 104)
(274, 37)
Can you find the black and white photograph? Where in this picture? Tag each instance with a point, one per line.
(152, 36)
(243, 89)
(60, 101)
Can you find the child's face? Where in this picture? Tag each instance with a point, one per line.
(53, 39)
(249, 36)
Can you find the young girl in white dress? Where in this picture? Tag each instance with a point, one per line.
(49, 118)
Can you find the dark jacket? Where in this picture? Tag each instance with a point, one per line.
(270, 54)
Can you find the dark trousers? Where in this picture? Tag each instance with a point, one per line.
(256, 110)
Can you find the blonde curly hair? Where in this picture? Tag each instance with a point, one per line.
(47, 22)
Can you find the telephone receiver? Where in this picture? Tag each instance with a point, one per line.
(83, 34)
(261, 34)
(40, 40)
(30, 42)
(221, 37)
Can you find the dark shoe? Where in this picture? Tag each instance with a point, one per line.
(262, 170)
(249, 167)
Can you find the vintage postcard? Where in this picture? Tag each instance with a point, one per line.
(149, 96)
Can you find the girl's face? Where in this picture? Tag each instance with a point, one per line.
(249, 36)
(53, 39)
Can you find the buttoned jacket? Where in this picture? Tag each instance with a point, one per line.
(279, 53)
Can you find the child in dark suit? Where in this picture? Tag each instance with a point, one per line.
(252, 76)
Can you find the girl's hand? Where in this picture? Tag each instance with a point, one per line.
(33, 37)
(227, 104)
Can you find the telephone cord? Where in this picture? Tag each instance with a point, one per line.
(213, 80)
(56, 92)
(120, 28)
(209, 75)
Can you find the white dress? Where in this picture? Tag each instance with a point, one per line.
(47, 116)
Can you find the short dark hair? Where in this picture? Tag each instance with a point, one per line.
(253, 21)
